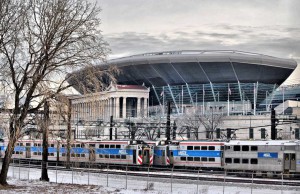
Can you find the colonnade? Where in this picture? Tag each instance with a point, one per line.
(102, 109)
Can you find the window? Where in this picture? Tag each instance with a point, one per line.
(72, 155)
(190, 148)
(123, 156)
(106, 146)
(112, 156)
(118, 146)
(118, 156)
(228, 160)
(63, 154)
(253, 161)
(92, 145)
(101, 146)
(245, 161)
(63, 145)
(197, 159)
(106, 156)
(77, 155)
(245, 148)
(112, 146)
(204, 159)
(227, 147)
(82, 155)
(254, 148)
(236, 160)
(73, 146)
(236, 148)
(196, 147)
(100, 156)
(183, 158)
(211, 147)
(190, 159)
(52, 145)
(78, 145)
(203, 147)
(211, 159)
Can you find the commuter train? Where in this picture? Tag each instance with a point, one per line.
(272, 157)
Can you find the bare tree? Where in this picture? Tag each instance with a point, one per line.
(41, 42)
(191, 122)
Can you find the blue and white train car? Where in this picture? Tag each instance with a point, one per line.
(274, 156)
(202, 154)
(124, 152)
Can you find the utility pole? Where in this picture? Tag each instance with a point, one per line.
(168, 129)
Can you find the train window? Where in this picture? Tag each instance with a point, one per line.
(72, 155)
(211, 147)
(78, 145)
(254, 148)
(236, 160)
(204, 159)
(228, 160)
(106, 146)
(190, 148)
(27, 144)
(222, 147)
(236, 148)
(63, 145)
(21, 152)
(190, 158)
(101, 146)
(92, 145)
(253, 161)
(140, 152)
(196, 158)
(211, 159)
(112, 156)
(171, 153)
(63, 154)
(34, 153)
(83, 155)
(203, 147)
(77, 155)
(100, 156)
(196, 147)
(106, 156)
(35, 144)
(21, 144)
(118, 156)
(245, 161)
(118, 146)
(123, 156)
(183, 158)
(227, 147)
(112, 146)
(245, 148)
(52, 145)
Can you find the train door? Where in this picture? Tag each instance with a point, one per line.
(289, 161)
(28, 150)
(134, 156)
(146, 156)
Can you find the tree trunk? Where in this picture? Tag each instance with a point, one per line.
(45, 125)
(8, 153)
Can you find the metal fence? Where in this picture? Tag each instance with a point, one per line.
(158, 179)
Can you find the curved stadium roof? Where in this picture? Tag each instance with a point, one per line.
(198, 67)
(201, 67)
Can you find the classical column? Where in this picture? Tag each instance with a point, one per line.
(117, 107)
(145, 107)
(124, 107)
(138, 107)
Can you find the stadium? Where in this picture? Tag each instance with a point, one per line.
(240, 82)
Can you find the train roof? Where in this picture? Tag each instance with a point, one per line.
(260, 142)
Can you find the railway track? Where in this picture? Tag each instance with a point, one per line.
(169, 174)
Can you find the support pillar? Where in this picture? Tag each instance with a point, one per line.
(138, 111)
(124, 108)
(117, 109)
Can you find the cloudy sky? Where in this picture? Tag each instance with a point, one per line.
(270, 27)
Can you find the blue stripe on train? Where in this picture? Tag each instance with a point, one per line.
(75, 150)
(158, 152)
(114, 151)
(196, 153)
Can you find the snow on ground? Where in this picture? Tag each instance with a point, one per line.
(25, 180)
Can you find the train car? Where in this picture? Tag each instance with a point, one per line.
(124, 152)
(200, 154)
(2, 148)
(274, 156)
(78, 151)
